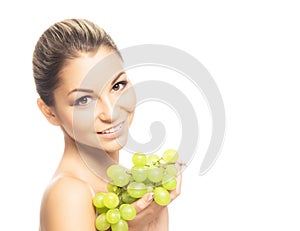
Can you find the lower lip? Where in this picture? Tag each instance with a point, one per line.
(113, 134)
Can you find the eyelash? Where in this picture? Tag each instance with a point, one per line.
(124, 83)
(78, 101)
(85, 98)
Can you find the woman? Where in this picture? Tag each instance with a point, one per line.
(95, 121)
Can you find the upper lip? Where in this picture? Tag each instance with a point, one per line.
(116, 125)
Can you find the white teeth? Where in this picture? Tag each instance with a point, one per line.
(112, 130)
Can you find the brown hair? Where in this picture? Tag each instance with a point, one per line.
(60, 43)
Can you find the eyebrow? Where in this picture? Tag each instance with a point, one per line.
(117, 77)
(91, 91)
(81, 89)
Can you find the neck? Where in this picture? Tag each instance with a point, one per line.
(96, 160)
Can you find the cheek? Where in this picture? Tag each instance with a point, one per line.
(66, 120)
(127, 100)
(77, 123)
(82, 121)
(83, 128)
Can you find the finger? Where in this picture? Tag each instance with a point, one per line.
(179, 183)
(147, 215)
(143, 202)
(176, 192)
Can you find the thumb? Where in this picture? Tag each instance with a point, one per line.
(143, 202)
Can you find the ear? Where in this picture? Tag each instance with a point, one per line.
(48, 112)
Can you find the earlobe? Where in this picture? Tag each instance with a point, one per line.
(48, 112)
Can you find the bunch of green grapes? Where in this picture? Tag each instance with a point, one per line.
(149, 173)
(112, 214)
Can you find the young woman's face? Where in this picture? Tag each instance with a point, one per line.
(95, 102)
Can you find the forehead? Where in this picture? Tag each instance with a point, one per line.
(90, 70)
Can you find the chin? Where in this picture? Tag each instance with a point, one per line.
(114, 145)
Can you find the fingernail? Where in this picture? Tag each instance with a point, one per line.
(149, 197)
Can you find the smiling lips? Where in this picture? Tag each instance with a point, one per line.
(113, 131)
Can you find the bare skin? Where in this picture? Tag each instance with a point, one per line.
(67, 202)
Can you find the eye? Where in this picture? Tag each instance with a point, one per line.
(119, 86)
(82, 101)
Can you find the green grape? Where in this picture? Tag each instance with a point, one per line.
(102, 210)
(101, 222)
(155, 174)
(121, 180)
(152, 159)
(139, 159)
(161, 196)
(113, 188)
(113, 216)
(149, 187)
(120, 226)
(169, 182)
(111, 200)
(98, 200)
(139, 173)
(171, 170)
(126, 198)
(170, 155)
(115, 170)
(127, 212)
(136, 189)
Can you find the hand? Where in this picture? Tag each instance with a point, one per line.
(151, 216)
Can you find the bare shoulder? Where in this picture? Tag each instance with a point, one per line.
(67, 205)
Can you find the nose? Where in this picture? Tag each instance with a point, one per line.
(106, 110)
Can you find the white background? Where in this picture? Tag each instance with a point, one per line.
(252, 50)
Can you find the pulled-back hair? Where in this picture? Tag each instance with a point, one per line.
(61, 43)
